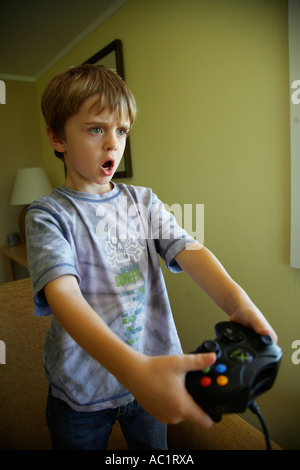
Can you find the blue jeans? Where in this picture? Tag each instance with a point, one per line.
(75, 430)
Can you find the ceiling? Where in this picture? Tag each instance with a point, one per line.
(35, 34)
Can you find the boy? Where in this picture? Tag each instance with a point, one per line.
(112, 351)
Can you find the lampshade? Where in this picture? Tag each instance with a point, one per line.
(30, 184)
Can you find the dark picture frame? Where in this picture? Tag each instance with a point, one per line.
(112, 56)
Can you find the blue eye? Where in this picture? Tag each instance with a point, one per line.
(95, 130)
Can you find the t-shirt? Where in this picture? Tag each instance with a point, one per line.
(110, 243)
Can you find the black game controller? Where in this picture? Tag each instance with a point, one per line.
(246, 366)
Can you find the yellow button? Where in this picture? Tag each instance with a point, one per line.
(222, 380)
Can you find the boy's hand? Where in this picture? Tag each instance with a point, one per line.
(249, 315)
(159, 387)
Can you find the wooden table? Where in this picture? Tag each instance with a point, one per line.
(15, 253)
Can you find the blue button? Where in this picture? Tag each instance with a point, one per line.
(221, 368)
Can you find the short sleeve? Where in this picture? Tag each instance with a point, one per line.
(49, 251)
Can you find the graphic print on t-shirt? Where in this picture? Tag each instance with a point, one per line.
(121, 247)
(133, 287)
(123, 250)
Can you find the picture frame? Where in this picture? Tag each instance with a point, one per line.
(112, 57)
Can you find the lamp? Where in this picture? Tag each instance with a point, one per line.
(30, 184)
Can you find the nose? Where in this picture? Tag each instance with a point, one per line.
(110, 142)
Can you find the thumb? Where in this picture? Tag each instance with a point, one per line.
(196, 362)
(194, 412)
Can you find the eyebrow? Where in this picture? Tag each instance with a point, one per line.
(105, 124)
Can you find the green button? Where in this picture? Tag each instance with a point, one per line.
(206, 370)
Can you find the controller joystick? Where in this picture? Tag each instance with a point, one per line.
(246, 366)
(209, 346)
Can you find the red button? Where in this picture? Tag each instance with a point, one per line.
(205, 381)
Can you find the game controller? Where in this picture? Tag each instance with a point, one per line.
(246, 366)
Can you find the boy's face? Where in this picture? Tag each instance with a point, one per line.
(93, 146)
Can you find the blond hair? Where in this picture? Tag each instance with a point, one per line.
(66, 92)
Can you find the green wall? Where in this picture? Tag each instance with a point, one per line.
(212, 87)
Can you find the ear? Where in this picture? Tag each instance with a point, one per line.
(56, 142)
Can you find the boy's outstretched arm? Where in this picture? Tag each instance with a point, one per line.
(204, 268)
(157, 383)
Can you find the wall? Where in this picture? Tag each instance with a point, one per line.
(212, 86)
(20, 146)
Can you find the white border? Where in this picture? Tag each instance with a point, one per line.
(294, 60)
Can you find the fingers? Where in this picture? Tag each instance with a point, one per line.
(262, 327)
(196, 415)
(265, 329)
(160, 388)
(199, 361)
(256, 321)
(193, 412)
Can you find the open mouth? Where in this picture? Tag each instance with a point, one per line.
(107, 167)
